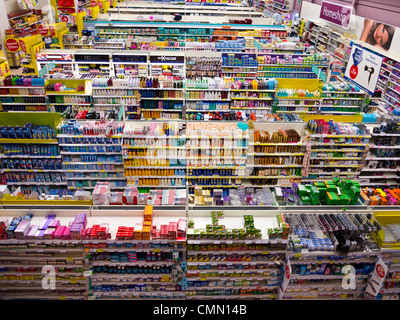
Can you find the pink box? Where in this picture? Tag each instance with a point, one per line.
(32, 232)
(59, 232)
(67, 233)
(54, 223)
(48, 233)
(22, 229)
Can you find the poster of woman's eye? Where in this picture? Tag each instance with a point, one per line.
(377, 34)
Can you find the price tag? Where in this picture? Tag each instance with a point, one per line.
(395, 261)
(265, 252)
(248, 241)
(217, 242)
(70, 259)
(99, 250)
(203, 278)
(229, 241)
(62, 297)
(157, 250)
(87, 273)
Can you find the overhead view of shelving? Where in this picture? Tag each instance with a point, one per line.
(197, 151)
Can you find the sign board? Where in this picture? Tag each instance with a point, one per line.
(280, 1)
(121, 113)
(47, 68)
(336, 14)
(287, 275)
(167, 59)
(363, 68)
(320, 74)
(55, 56)
(376, 280)
(12, 45)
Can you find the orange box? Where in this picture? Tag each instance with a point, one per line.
(148, 213)
(365, 198)
(374, 201)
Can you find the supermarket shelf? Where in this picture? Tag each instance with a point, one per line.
(29, 141)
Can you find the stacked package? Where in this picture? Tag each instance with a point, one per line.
(101, 193)
(78, 225)
(282, 231)
(50, 228)
(329, 192)
(379, 197)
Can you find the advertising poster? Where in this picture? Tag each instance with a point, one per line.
(363, 68)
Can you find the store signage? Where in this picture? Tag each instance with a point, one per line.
(363, 68)
(12, 45)
(22, 45)
(319, 73)
(51, 57)
(47, 68)
(287, 275)
(43, 30)
(280, 1)
(376, 280)
(121, 113)
(94, 57)
(167, 59)
(336, 13)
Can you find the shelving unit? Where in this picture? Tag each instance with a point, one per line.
(93, 158)
(338, 153)
(317, 274)
(229, 267)
(118, 264)
(22, 260)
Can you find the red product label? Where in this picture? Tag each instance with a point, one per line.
(12, 45)
(380, 271)
(93, 3)
(43, 30)
(22, 45)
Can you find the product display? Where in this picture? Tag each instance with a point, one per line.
(196, 151)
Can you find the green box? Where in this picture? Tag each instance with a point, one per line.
(306, 200)
(344, 199)
(302, 190)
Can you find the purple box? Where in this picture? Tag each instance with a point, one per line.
(81, 219)
(46, 222)
(76, 230)
(39, 234)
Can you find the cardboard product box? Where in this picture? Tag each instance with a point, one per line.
(364, 198)
(146, 232)
(332, 198)
(164, 232)
(345, 199)
(181, 228)
(303, 190)
(59, 232)
(306, 200)
(172, 229)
